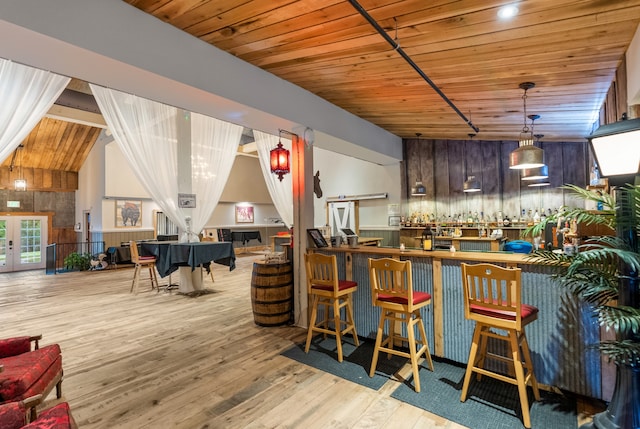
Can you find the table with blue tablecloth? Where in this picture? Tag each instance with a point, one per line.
(246, 236)
(170, 255)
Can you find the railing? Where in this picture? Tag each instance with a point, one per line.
(57, 252)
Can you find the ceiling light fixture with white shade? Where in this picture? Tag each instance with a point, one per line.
(419, 190)
(472, 184)
(526, 155)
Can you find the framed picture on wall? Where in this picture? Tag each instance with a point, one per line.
(128, 214)
(244, 214)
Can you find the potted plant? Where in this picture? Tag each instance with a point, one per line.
(77, 261)
(604, 273)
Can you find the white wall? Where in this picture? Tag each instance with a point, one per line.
(91, 185)
(120, 180)
(107, 169)
(345, 175)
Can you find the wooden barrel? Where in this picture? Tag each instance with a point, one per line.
(272, 293)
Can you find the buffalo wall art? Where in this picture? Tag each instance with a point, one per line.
(128, 214)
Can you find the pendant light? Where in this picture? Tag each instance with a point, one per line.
(538, 173)
(537, 177)
(471, 184)
(20, 184)
(279, 158)
(419, 190)
(526, 155)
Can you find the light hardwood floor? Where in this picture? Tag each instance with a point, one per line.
(160, 360)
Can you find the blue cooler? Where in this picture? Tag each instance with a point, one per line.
(518, 246)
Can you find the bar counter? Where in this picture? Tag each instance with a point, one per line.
(559, 340)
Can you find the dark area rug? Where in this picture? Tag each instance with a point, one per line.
(490, 404)
(356, 363)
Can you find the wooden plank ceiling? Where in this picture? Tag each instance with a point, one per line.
(569, 48)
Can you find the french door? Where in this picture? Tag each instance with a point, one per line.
(22, 242)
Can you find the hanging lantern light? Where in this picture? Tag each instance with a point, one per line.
(526, 155)
(280, 159)
(472, 184)
(419, 190)
(20, 184)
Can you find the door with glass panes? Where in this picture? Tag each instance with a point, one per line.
(22, 242)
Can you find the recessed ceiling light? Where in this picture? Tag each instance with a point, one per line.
(508, 11)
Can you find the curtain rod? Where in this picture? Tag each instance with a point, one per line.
(403, 54)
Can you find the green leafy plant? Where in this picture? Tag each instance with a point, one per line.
(596, 274)
(77, 261)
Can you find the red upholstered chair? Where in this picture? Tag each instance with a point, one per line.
(17, 415)
(492, 299)
(324, 288)
(28, 372)
(392, 290)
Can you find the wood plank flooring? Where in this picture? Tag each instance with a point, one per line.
(160, 360)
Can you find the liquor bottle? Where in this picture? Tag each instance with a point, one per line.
(536, 218)
(500, 220)
(594, 177)
(506, 221)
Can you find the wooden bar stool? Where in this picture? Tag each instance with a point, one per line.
(140, 262)
(392, 291)
(324, 288)
(492, 300)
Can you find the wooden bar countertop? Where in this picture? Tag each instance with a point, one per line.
(491, 257)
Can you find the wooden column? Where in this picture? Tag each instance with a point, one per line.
(302, 175)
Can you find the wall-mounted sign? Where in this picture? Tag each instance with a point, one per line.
(187, 201)
(13, 204)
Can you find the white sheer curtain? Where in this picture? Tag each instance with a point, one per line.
(281, 192)
(214, 144)
(147, 133)
(26, 94)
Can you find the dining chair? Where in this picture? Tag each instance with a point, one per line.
(140, 262)
(392, 290)
(492, 299)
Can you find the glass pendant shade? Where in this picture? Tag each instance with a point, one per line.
(471, 185)
(419, 190)
(538, 173)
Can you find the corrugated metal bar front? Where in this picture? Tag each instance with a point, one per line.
(366, 315)
(477, 246)
(558, 340)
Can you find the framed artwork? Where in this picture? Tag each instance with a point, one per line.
(317, 238)
(128, 214)
(394, 220)
(244, 214)
(187, 201)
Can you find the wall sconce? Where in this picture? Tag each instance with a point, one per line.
(280, 158)
(616, 149)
